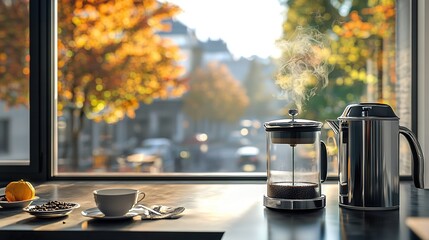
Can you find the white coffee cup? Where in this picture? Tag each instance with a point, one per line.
(116, 201)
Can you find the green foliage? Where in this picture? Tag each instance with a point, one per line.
(14, 52)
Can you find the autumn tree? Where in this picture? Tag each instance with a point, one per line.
(362, 50)
(215, 95)
(110, 59)
(366, 49)
(14, 52)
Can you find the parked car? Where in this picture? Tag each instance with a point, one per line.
(144, 160)
(248, 158)
(156, 149)
(196, 146)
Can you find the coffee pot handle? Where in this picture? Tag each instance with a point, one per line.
(417, 166)
(323, 162)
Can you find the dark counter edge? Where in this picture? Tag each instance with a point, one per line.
(107, 235)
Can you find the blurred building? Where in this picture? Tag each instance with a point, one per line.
(14, 133)
(215, 51)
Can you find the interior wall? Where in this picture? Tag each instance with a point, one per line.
(423, 81)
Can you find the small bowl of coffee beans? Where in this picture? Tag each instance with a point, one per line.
(51, 209)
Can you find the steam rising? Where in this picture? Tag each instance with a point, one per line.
(304, 65)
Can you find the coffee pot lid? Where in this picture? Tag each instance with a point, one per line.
(292, 124)
(368, 110)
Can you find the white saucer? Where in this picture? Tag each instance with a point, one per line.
(97, 214)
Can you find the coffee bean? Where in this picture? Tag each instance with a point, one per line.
(52, 206)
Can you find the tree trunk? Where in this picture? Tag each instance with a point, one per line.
(75, 150)
(379, 60)
(76, 126)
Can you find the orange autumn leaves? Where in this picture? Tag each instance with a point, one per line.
(367, 34)
(366, 50)
(110, 58)
(14, 52)
(377, 22)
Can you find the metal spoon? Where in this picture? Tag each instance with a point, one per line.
(136, 207)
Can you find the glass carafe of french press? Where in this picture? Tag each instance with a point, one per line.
(296, 164)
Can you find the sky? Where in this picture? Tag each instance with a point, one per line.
(249, 27)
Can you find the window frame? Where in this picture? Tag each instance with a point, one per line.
(40, 75)
(43, 104)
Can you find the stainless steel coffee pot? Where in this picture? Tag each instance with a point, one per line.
(369, 156)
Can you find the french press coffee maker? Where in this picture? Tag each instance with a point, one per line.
(296, 164)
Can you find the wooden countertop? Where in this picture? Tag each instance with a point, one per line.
(213, 211)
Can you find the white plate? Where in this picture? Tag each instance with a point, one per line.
(17, 204)
(52, 213)
(96, 213)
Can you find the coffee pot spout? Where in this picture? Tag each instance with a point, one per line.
(418, 163)
(335, 125)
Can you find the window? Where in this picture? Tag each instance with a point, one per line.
(109, 138)
(25, 70)
(200, 87)
(14, 82)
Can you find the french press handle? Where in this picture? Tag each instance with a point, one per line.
(323, 162)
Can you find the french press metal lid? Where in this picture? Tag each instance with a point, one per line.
(293, 131)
